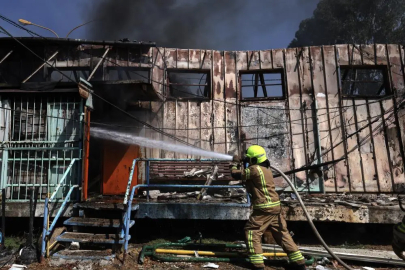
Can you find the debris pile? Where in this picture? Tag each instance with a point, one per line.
(350, 200)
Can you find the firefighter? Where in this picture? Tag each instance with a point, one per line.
(398, 241)
(258, 179)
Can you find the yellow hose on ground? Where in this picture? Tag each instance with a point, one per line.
(213, 253)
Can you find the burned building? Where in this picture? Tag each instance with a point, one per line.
(330, 116)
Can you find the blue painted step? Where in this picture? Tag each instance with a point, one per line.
(95, 222)
(91, 238)
(84, 255)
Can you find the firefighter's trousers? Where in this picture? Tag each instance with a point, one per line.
(271, 219)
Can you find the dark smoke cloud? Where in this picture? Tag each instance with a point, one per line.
(206, 24)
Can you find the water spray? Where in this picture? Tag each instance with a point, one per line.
(128, 138)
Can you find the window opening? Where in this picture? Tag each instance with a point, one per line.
(127, 74)
(364, 82)
(262, 84)
(189, 84)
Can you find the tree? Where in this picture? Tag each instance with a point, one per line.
(353, 21)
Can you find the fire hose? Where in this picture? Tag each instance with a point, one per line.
(310, 220)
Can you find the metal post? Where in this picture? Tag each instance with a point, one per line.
(31, 225)
(131, 175)
(127, 222)
(3, 215)
(44, 230)
(147, 180)
(5, 57)
(41, 66)
(98, 64)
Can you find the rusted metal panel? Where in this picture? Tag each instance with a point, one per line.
(253, 60)
(194, 58)
(182, 58)
(182, 123)
(381, 54)
(293, 85)
(307, 99)
(384, 173)
(194, 116)
(169, 121)
(337, 149)
(355, 56)
(206, 59)
(231, 113)
(218, 103)
(395, 158)
(231, 74)
(354, 158)
(241, 60)
(366, 147)
(158, 72)
(265, 59)
(368, 54)
(343, 54)
(170, 58)
(206, 125)
(323, 123)
(156, 119)
(393, 132)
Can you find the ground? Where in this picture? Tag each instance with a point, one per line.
(132, 263)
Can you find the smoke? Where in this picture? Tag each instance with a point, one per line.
(200, 24)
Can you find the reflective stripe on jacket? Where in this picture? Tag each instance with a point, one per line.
(259, 184)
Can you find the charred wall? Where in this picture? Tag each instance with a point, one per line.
(366, 130)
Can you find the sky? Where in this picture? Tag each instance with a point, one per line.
(230, 25)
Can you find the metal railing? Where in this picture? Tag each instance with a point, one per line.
(48, 229)
(130, 193)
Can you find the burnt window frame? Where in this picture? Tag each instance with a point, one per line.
(280, 71)
(188, 71)
(130, 69)
(386, 81)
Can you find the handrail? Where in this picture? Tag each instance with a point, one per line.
(63, 178)
(47, 231)
(131, 175)
(61, 209)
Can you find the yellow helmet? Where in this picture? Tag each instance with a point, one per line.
(256, 154)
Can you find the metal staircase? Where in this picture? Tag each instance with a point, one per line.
(100, 230)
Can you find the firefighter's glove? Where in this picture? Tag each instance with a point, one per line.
(234, 166)
(236, 159)
(398, 242)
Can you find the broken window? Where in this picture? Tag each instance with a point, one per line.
(189, 84)
(364, 81)
(262, 85)
(127, 74)
(71, 74)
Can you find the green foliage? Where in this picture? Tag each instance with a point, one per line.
(353, 21)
